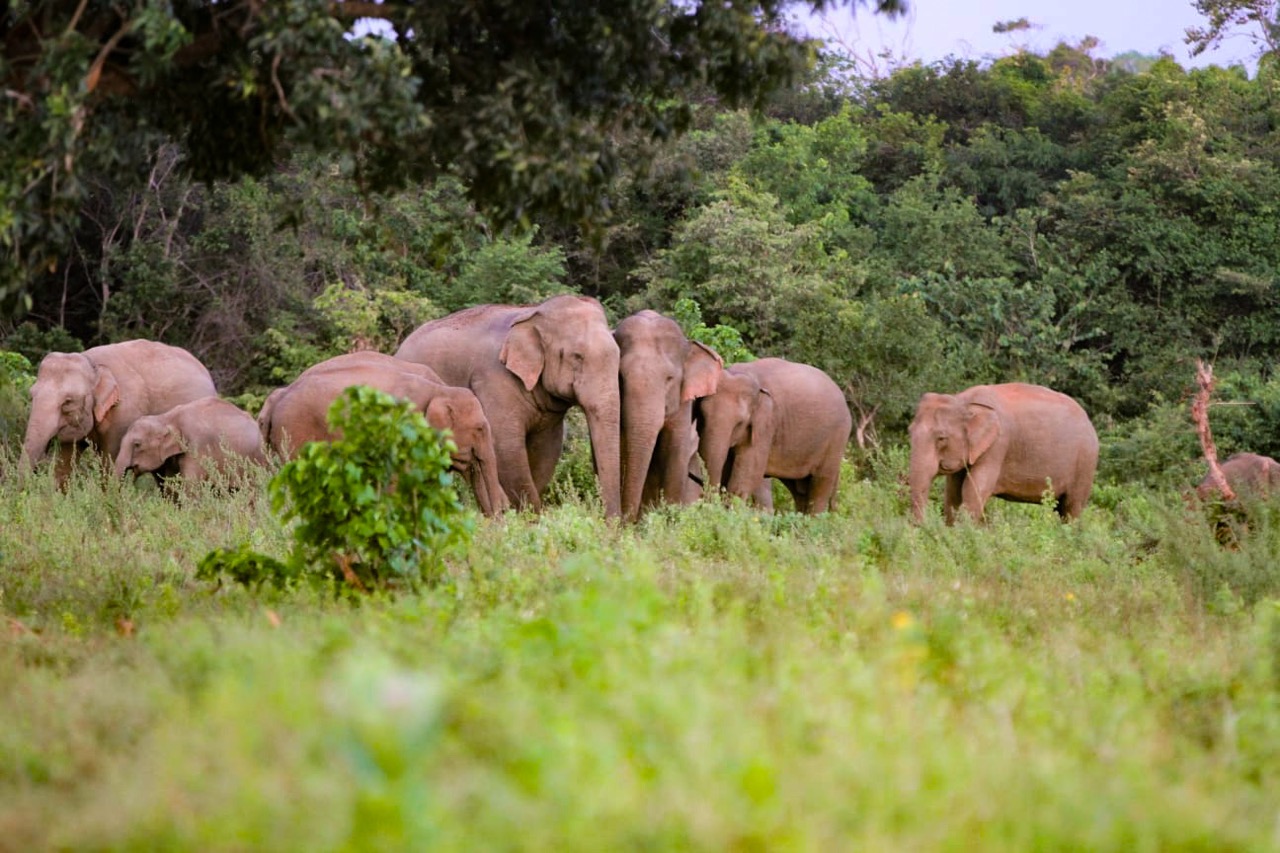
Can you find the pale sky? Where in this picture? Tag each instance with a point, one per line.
(936, 28)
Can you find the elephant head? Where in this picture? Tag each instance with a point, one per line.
(71, 396)
(739, 417)
(462, 415)
(661, 373)
(564, 345)
(948, 435)
(149, 443)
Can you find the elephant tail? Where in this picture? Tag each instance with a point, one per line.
(264, 416)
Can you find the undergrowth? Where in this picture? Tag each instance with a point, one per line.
(708, 678)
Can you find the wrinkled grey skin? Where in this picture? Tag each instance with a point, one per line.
(1010, 441)
(1246, 473)
(775, 418)
(528, 365)
(204, 435)
(298, 413)
(661, 374)
(95, 396)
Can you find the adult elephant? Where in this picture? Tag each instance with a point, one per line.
(299, 412)
(96, 395)
(1011, 441)
(660, 373)
(528, 365)
(1249, 473)
(775, 418)
(194, 438)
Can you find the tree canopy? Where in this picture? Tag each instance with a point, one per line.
(523, 100)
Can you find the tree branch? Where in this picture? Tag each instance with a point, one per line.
(1200, 414)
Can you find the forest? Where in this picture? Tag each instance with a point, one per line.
(304, 656)
(1057, 219)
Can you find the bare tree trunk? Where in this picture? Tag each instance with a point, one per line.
(1200, 414)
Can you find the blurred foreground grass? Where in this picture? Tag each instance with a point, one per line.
(710, 678)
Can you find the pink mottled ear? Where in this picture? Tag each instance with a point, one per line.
(171, 443)
(702, 369)
(522, 351)
(982, 428)
(762, 419)
(106, 393)
(439, 413)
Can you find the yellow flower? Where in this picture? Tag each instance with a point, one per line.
(902, 620)
(1071, 596)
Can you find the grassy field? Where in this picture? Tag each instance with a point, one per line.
(708, 679)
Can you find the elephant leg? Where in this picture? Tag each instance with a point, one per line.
(545, 449)
(978, 487)
(799, 489)
(514, 473)
(763, 495)
(822, 490)
(1072, 502)
(192, 468)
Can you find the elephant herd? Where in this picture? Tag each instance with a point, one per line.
(501, 378)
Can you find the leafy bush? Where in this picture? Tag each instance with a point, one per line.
(377, 507)
(16, 376)
(725, 340)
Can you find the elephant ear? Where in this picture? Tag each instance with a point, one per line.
(171, 443)
(702, 369)
(522, 351)
(106, 393)
(982, 428)
(762, 419)
(439, 413)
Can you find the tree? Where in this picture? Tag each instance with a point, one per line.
(1256, 20)
(521, 99)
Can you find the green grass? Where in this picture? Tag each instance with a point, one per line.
(710, 678)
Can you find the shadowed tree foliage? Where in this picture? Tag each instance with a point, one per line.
(520, 99)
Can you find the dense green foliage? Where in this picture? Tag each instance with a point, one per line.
(376, 507)
(1055, 219)
(522, 99)
(708, 679)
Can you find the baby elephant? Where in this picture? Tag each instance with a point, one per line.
(775, 418)
(1246, 472)
(204, 434)
(298, 413)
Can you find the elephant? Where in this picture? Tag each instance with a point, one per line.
(347, 361)
(1249, 473)
(209, 433)
(528, 364)
(298, 414)
(96, 395)
(775, 418)
(1010, 441)
(661, 373)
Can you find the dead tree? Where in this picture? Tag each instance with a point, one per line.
(1200, 414)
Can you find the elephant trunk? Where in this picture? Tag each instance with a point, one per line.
(924, 467)
(124, 461)
(642, 418)
(41, 428)
(714, 449)
(484, 481)
(603, 418)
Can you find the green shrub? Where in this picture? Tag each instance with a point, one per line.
(16, 376)
(375, 508)
(725, 340)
